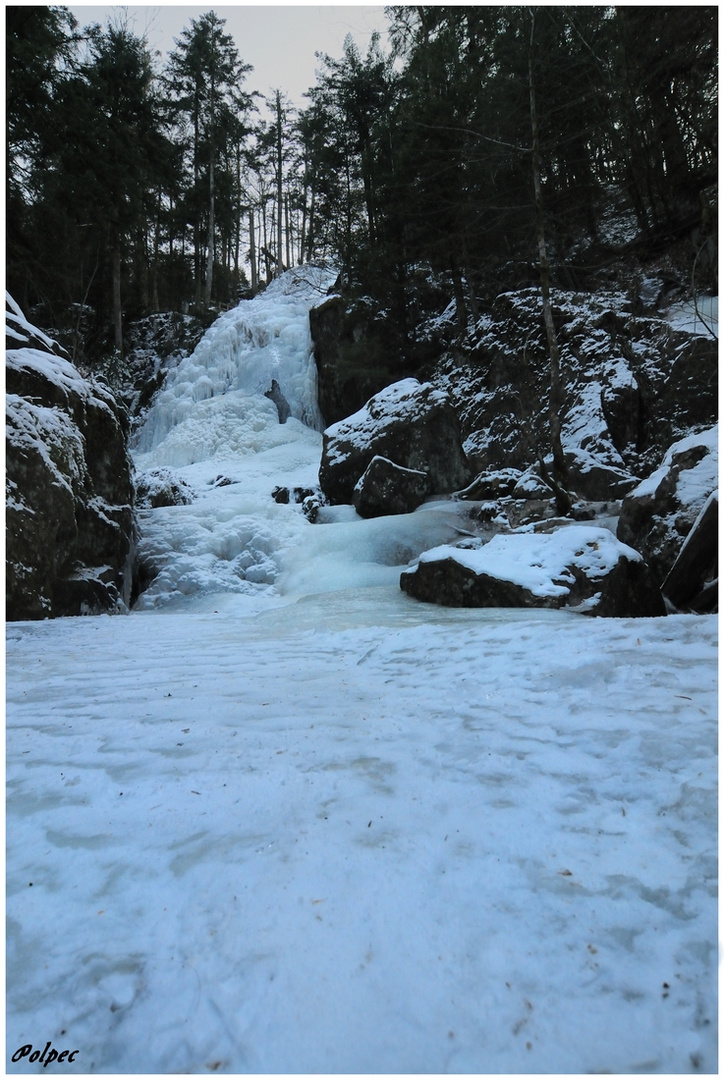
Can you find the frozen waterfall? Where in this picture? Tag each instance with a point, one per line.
(259, 340)
(215, 429)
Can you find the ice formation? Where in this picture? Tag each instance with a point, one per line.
(214, 419)
(235, 362)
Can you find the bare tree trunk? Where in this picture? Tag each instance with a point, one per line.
(555, 399)
(237, 223)
(252, 253)
(117, 309)
(197, 223)
(280, 264)
(310, 231)
(154, 275)
(210, 240)
(303, 228)
(461, 311)
(265, 247)
(142, 261)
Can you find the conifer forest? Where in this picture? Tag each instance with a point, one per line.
(139, 183)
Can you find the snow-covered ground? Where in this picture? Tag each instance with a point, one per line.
(284, 818)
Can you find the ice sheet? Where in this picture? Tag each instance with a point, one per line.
(353, 834)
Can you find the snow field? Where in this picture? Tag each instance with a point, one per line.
(352, 834)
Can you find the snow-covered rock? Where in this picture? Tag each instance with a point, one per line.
(70, 522)
(491, 484)
(592, 478)
(387, 488)
(692, 583)
(162, 487)
(154, 346)
(659, 513)
(285, 495)
(20, 332)
(410, 423)
(531, 485)
(631, 386)
(577, 566)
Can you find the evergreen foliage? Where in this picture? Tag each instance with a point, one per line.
(134, 188)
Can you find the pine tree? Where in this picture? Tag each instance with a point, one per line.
(204, 76)
(40, 53)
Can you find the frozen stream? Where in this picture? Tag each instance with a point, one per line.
(284, 819)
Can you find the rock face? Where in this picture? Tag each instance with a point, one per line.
(386, 488)
(579, 567)
(631, 386)
(354, 353)
(275, 394)
(153, 346)
(660, 512)
(70, 520)
(411, 424)
(692, 582)
(326, 324)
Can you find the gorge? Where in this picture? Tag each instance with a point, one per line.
(282, 817)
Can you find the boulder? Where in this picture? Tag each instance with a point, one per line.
(660, 512)
(692, 582)
(594, 479)
(221, 481)
(490, 484)
(387, 488)
(285, 495)
(531, 485)
(311, 506)
(70, 527)
(411, 424)
(275, 394)
(577, 566)
(162, 487)
(357, 348)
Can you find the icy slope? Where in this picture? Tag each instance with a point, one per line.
(355, 834)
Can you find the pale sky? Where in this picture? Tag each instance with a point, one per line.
(278, 41)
